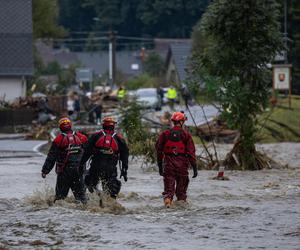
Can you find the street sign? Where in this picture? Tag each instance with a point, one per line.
(84, 75)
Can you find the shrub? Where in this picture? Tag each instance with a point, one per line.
(141, 140)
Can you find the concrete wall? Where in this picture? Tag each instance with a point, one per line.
(12, 87)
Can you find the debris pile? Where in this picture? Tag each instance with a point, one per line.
(21, 102)
(217, 129)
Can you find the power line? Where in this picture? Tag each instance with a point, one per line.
(88, 32)
(135, 38)
(77, 39)
(106, 44)
(98, 38)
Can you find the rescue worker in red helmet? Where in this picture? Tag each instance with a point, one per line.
(66, 153)
(106, 148)
(175, 152)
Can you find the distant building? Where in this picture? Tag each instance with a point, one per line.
(177, 61)
(16, 47)
(174, 51)
(127, 62)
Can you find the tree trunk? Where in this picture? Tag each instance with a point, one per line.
(243, 155)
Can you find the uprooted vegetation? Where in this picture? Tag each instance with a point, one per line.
(140, 137)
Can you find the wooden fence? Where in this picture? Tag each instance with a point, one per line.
(10, 117)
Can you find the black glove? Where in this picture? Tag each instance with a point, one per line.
(43, 175)
(124, 174)
(195, 170)
(160, 168)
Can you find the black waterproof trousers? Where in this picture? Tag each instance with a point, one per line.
(106, 171)
(70, 179)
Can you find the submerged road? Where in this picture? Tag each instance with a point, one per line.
(254, 210)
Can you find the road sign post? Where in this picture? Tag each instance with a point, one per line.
(282, 79)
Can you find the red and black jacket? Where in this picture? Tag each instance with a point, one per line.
(58, 149)
(96, 146)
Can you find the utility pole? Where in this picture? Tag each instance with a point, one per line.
(111, 55)
(112, 58)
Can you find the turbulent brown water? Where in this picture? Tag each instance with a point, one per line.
(253, 210)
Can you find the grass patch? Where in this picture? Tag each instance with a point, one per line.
(281, 124)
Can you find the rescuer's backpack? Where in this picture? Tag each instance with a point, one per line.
(72, 151)
(174, 144)
(107, 144)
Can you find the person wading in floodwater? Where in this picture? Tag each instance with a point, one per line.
(66, 152)
(175, 152)
(106, 148)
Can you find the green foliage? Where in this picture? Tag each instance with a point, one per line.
(66, 77)
(141, 140)
(53, 68)
(107, 11)
(154, 65)
(174, 18)
(242, 38)
(76, 16)
(170, 18)
(45, 14)
(141, 81)
(294, 34)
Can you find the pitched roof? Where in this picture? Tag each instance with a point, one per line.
(98, 61)
(180, 53)
(16, 41)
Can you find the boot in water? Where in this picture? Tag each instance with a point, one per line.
(168, 202)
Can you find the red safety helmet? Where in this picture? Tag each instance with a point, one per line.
(65, 124)
(178, 117)
(108, 121)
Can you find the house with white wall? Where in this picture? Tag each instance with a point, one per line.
(16, 48)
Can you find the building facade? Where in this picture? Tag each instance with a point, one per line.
(16, 48)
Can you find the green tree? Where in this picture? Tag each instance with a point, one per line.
(242, 38)
(154, 65)
(170, 18)
(174, 18)
(294, 34)
(108, 13)
(141, 140)
(74, 15)
(117, 15)
(45, 14)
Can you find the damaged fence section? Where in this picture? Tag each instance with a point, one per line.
(10, 117)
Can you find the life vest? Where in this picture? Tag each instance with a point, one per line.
(107, 144)
(71, 151)
(174, 144)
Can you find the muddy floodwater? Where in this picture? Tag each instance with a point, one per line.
(253, 210)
